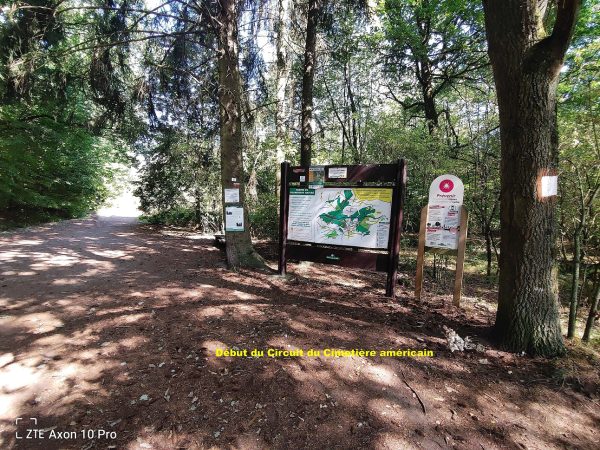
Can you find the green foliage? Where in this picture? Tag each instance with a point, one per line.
(58, 152)
(66, 116)
(181, 216)
(579, 127)
(48, 165)
(179, 164)
(432, 46)
(579, 111)
(180, 182)
(263, 217)
(391, 139)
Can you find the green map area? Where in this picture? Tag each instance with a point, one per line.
(358, 222)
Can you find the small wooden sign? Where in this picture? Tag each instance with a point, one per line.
(443, 212)
(437, 223)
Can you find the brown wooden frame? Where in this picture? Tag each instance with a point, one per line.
(358, 176)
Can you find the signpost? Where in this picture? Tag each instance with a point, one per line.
(344, 215)
(443, 229)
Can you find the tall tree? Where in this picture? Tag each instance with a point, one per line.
(349, 75)
(432, 45)
(592, 314)
(526, 63)
(56, 162)
(308, 78)
(578, 119)
(239, 249)
(282, 73)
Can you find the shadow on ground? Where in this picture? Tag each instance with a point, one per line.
(111, 327)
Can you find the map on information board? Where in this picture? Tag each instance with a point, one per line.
(355, 217)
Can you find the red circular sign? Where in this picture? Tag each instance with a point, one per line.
(446, 186)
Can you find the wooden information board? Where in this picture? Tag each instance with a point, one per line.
(345, 215)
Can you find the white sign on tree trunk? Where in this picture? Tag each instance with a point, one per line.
(443, 213)
(549, 185)
(234, 218)
(232, 195)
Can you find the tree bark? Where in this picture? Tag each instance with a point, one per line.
(353, 115)
(308, 77)
(589, 325)
(239, 248)
(573, 304)
(198, 208)
(526, 69)
(424, 77)
(282, 76)
(487, 233)
(424, 74)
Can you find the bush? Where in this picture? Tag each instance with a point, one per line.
(264, 221)
(51, 168)
(186, 217)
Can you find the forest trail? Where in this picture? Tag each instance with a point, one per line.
(109, 324)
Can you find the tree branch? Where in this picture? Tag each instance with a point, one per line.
(548, 54)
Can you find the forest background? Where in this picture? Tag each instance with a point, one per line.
(91, 88)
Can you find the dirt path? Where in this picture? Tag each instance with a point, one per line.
(108, 333)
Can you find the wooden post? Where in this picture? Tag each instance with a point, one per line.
(398, 197)
(421, 253)
(460, 257)
(283, 217)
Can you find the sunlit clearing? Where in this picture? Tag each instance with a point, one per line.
(244, 295)
(125, 205)
(109, 253)
(211, 311)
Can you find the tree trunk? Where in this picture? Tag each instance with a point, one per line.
(238, 244)
(526, 70)
(431, 116)
(574, 283)
(198, 208)
(252, 187)
(353, 115)
(585, 204)
(583, 280)
(589, 325)
(424, 74)
(282, 76)
(487, 232)
(308, 77)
